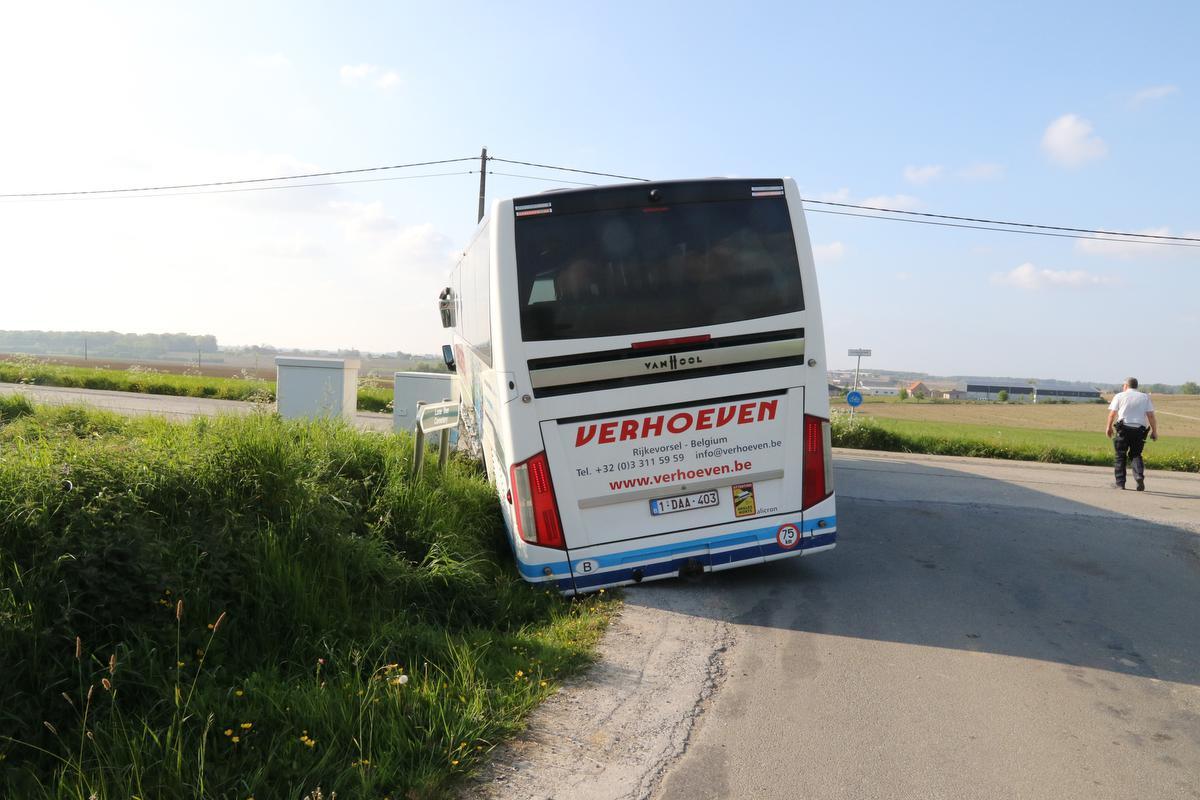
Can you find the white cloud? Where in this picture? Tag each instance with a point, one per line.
(353, 74)
(1132, 248)
(388, 80)
(981, 171)
(1069, 141)
(359, 74)
(898, 202)
(828, 252)
(362, 221)
(1031, 278)
(296, 246)
(273, 61)
(920, 175)
(840, 196)
(1151, 93)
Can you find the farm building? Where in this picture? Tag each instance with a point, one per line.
(880, 391)
(1023, 392)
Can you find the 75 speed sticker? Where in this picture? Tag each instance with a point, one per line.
(788, 536)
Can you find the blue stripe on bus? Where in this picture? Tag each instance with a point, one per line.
(539, 570)
(765, 545)
(754, 552)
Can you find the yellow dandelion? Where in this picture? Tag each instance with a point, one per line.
(542, 684)
(235, 739)
(247, 726)
(454, 762)
(238, 693)
(229, 731)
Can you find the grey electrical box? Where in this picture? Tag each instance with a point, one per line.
(308, 388)
(411, 387)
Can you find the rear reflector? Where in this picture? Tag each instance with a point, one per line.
(704, 337)
(818, 461)
(537, 510)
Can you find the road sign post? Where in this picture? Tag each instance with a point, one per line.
(857, 353)
(432, 418)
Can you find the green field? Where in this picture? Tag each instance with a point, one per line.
(148, 381)
(248, 607)
(995, 441)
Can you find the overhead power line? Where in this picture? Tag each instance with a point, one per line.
(567, 169)
(239, 189)
(540, 178)
(235, 182)
(982, 223)
(1002, 222)
(1186, 243)
(954, 221)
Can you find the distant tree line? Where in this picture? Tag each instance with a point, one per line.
(105, 344)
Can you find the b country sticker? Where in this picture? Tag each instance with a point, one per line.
(788, 536)
(743, 500)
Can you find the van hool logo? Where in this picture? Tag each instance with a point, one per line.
(673, 362)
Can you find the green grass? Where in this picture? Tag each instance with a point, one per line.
(39, 373)
(986, 441)
(165, 588)
(30, 371)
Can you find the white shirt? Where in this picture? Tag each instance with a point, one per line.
(1131, 407)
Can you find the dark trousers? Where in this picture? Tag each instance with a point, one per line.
(1129, 439)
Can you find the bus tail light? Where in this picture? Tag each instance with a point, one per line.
(818, 460)
(537, 510)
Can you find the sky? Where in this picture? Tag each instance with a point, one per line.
(1071, 114)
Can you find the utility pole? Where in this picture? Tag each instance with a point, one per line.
(85, 348)
(482, 181)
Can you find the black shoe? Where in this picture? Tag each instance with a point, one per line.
(1116, 486)
(1141, 486)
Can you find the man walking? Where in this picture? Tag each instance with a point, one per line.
(1132, 415)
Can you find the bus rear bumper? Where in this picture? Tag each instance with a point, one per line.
(607, 566)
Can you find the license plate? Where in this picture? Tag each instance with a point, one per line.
(684, 502)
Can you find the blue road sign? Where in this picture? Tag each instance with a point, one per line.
(854, 399)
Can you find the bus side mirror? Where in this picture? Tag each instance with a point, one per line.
(446, 307)
(448, 357)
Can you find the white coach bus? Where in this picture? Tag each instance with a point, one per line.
(642, 370)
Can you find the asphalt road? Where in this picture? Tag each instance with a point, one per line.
(984, 629)
(160, 405)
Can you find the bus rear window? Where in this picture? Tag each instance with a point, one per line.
(637, 270)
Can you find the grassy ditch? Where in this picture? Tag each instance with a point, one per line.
(144, 380)
(984, 441)
(247, 607)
